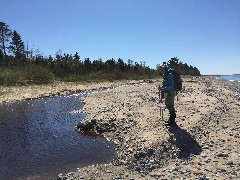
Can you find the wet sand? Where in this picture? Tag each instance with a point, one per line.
(204, 145)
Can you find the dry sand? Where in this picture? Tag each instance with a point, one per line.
(204, 145)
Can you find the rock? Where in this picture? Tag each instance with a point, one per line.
(221, 170)
(202, 177)
(150, 152)
(175, 172)
(196, 171)
(152, 174)
(70, 174)
(87, 126)
(201, 163)
(60, 176)
(230, 163)
(222, 154)
(203, 155)
(205, 147)
(119, 177)
(137, 168)
(108, 171)
(151, 161)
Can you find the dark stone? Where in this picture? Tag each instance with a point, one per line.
(150, 152)
(87, 126)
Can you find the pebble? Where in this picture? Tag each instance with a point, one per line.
(175, 172)
(230, 163)
(196, 171)
(204, 177)
(201, 163)
(70, 174)
(221, 170)
(60, 176)
(222, 154)
(108, 171)
(205, 147)
(119, 177)
(151, 161)
(152, 174)
(184, 163)
(203, 155)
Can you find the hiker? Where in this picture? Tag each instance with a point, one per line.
(168, 92)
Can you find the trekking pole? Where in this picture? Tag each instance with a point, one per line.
(161, 96)
(161, 112)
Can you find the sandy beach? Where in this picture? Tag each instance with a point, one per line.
(204, 145)
(18, 93)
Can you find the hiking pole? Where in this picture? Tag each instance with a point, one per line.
(161, 112)
(161, 96)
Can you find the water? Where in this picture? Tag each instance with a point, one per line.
(38, 139)
(235, 77)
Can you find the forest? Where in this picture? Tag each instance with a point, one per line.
(20, 65)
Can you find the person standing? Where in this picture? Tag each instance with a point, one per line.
(169, 92)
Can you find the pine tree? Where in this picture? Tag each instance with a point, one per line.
(5, 36)
(1, 57)
(17, 46)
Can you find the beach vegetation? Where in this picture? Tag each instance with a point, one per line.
(20, 66)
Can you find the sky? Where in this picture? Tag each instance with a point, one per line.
(201, 33)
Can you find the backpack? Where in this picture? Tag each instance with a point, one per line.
(177, 81)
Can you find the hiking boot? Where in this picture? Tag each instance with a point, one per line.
(171, 121)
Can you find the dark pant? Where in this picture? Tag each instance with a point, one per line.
(169, 100)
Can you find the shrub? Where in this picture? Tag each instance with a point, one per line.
(38, 75)
(31, 74)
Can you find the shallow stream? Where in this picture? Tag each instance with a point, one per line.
(38, 139)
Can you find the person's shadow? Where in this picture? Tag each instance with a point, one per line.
(184, 141)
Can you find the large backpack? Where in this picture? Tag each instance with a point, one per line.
(177, 81)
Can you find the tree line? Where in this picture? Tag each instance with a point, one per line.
(14, 54)
(182, 68)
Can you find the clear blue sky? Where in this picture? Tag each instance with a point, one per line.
(201, 33)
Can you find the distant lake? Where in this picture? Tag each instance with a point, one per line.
(235, 77)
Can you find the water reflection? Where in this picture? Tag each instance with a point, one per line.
(38, 137)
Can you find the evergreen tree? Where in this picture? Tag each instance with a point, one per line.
(173, 62)
(17, 46)
(76, 56)
(1, 57)
(121, 65)
(5, 36)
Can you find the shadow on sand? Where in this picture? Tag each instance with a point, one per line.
(184, 141)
